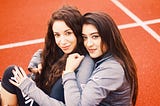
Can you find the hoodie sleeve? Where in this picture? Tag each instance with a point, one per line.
(28, 87)
(35, 60)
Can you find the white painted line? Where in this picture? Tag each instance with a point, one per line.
(11, 45)
(131, 25)
(136, 19)
(41, 40)
(128, 26)
(152, 21)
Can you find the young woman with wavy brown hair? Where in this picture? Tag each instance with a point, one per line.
(63, 38)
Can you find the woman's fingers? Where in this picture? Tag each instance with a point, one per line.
(18, 72)
(39, 68)
(76, 57)
(73, 62)
(13, 82)
(23, 72)
(19, 76)
(16, 79)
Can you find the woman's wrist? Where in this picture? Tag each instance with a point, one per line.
(66, 72)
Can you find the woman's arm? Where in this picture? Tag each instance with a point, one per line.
(104, 79)
(29, 88)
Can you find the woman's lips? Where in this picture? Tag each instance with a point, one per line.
(91, 50)
(65, 47)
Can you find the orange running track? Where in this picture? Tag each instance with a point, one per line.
(23, 25)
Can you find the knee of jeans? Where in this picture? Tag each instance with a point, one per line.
(8, 72)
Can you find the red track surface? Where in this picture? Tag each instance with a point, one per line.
(22, 20)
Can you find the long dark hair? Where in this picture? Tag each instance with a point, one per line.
(111, 37)
(53, 59)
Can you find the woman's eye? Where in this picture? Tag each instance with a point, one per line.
(68, 33)
(95, 36)
(84, 37)
(56, 35)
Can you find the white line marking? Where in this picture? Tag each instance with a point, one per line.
(136, 19)
(41, 40)
(131, 25)
(152, 21)
(24, 43)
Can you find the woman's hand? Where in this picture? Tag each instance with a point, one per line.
(73, 62)
(19, 76)
(36, 70)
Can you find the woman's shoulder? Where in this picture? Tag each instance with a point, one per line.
(87, 60)
(110, 62)
(111, 65)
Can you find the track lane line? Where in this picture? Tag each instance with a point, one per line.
(137, 20)
(24, 43)
(131, 25)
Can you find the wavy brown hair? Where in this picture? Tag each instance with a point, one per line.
(111, 37)
(53, 58)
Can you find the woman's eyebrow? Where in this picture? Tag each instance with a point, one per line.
(94, 33)
(91, 33)
(67, 30)
(64, 30)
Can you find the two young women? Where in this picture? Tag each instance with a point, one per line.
(113, 80)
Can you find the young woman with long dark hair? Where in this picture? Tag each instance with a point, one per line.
(63, 38)
(114, 80)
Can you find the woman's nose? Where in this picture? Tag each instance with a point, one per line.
(63, 40)
(89, 42)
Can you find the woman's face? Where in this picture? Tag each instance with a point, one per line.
(92, 41)
(64, 36)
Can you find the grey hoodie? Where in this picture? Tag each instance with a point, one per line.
(28, 86)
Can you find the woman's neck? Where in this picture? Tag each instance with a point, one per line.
(99, 58)
(102, 56)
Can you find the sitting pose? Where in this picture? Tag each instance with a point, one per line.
(113, 81)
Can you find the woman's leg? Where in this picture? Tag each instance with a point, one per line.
(8, 99)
